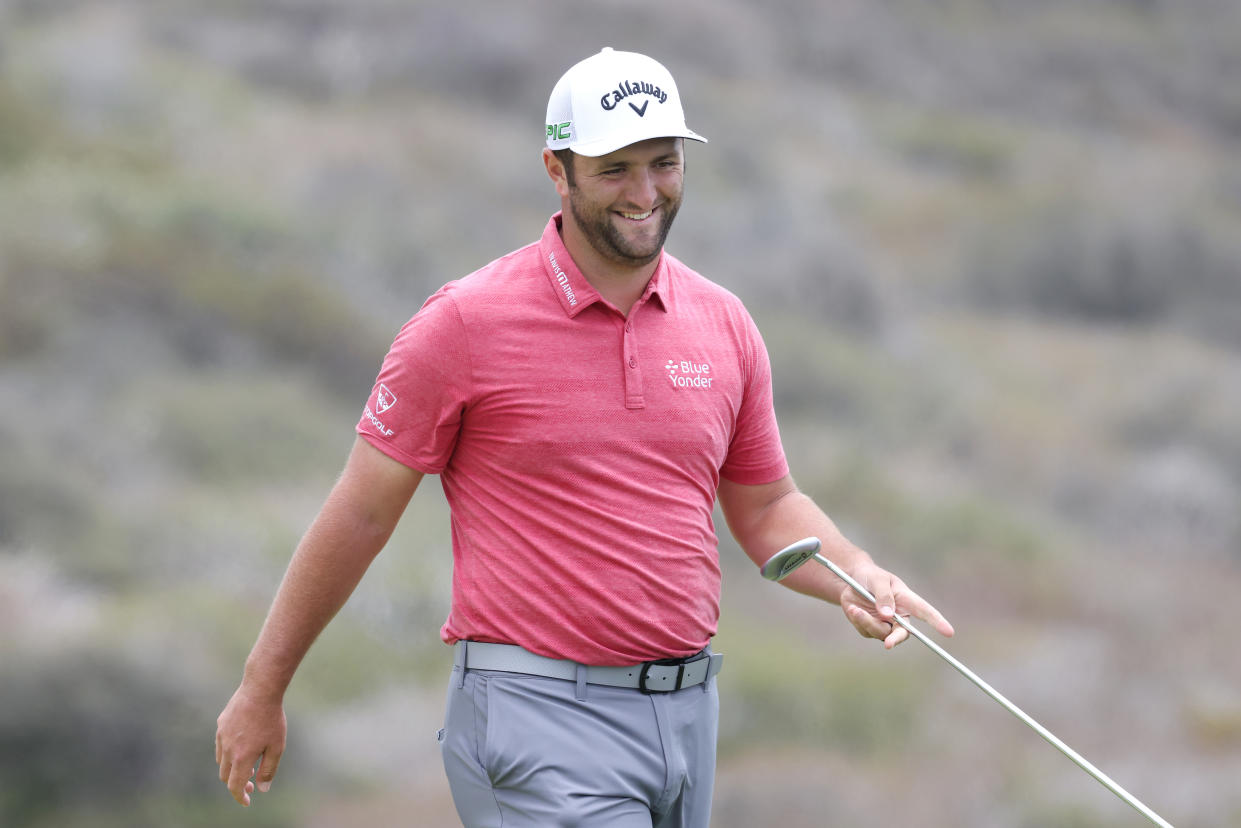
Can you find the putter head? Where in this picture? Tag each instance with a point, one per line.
(782, 563)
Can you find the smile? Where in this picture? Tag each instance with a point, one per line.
(638, 216)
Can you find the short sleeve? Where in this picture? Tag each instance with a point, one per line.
(414, 411)
(755, 453)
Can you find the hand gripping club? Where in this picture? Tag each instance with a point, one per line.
(781, 564)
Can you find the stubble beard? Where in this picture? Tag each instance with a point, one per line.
(608, 241)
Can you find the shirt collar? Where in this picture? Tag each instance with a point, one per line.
(659, 288)
(571, 287)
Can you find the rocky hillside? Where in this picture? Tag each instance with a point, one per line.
(995, 250)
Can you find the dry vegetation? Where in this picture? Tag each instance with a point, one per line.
(995, 248)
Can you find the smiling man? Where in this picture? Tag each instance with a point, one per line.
(586, 401)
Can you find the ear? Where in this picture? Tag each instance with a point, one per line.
(556, 172)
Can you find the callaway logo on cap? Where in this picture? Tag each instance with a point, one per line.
(614, 99)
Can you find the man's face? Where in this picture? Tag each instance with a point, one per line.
(624, 202)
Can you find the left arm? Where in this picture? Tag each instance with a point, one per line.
(767, 517)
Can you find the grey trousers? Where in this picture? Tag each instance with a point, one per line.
(533, 752)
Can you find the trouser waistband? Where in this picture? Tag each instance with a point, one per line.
(661, 676)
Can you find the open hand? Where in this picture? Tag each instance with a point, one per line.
(249, 730)
(892, 598)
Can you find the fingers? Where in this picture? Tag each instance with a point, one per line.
(240, 776)
(873, 620)
(267, 770)
(869, 625)
(249, 740)
(892, 597)
(864, 619)
(884, 590)
(237, 772)
(238, 781)
(919, 608)
(896, 636)
(230, 770)
(222, 759)
(235, 775)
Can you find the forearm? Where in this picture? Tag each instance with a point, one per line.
(324, 571)
(765, 518)
(352, 527)
(788, 518)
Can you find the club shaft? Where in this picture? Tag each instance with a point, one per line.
(1077, 758)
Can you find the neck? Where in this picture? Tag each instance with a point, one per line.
(619, 283)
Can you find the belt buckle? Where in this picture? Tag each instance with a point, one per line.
(666, 662)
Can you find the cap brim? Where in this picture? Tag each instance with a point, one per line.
(602, 147)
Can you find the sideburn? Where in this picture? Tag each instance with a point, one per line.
(565, 157)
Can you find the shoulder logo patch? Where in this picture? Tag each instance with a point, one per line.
(384, 398)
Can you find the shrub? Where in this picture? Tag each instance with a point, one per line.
(1097, 262)
(94, 733)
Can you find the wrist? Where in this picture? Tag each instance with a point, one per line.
(262, 685)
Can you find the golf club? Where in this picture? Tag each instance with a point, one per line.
(781, 564)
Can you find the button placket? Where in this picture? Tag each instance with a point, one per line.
(632, 368)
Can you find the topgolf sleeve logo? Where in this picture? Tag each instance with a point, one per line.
(384, 398)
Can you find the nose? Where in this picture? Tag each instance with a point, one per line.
(641, 187)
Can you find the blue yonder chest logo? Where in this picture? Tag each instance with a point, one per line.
(686, 373)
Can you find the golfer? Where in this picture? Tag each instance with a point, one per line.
(585, 400)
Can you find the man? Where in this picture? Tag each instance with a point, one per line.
(586, 400)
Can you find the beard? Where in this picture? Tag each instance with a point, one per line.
(600, 230)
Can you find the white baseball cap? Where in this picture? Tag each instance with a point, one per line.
(614, 99)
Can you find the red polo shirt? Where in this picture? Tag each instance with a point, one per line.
(580, 451)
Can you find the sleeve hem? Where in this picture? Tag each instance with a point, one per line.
(399, 456)
(756, 477)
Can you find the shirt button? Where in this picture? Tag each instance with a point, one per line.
(633, 363)
(628, 326)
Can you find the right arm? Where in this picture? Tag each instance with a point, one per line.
(352, 527)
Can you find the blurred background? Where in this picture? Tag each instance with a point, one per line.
(995, 249)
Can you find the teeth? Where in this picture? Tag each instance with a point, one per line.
(638, 216)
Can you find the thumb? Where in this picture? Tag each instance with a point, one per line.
(885, 600)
